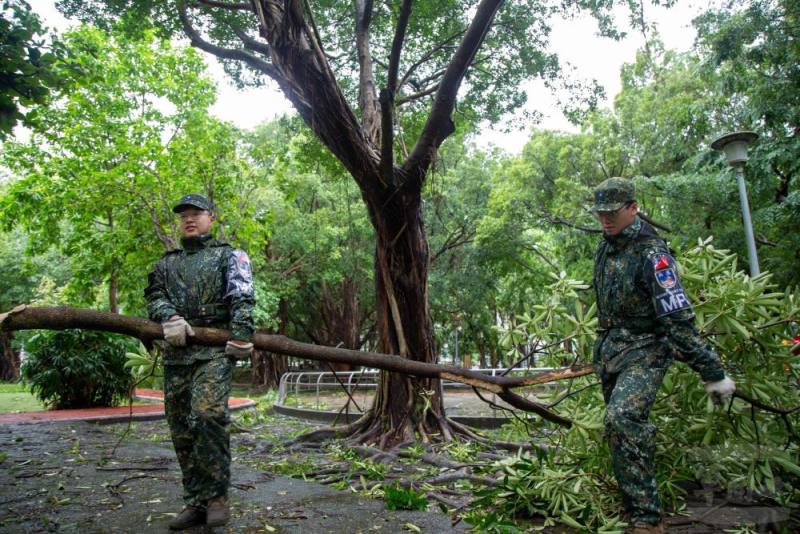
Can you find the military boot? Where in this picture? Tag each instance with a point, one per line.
(645, 528)
(190, 516)
(217, 512)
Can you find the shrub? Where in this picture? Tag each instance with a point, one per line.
(78, 368)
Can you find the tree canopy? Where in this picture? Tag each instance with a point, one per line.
(27, 65)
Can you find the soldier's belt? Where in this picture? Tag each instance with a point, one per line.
(206, 314)
(635, 326)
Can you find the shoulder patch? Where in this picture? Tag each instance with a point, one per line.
(668, 293)
(240, 274)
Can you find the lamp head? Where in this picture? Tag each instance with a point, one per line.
(735, 146)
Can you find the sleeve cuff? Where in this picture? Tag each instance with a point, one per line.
(241, 335)
(167, 313)
(713, 376)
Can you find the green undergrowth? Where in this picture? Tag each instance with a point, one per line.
(735, 451)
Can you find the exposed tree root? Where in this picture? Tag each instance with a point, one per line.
(365, 432)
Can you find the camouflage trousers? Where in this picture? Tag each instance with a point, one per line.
(630, 382)
(196, 406)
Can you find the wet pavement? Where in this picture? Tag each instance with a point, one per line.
(57, 477)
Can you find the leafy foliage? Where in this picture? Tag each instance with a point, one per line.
(146, 367)
(736, 449)
(398, 498)
(139, 136)
(77, 368)
(21, 273)
(28, 63)
(574, 497)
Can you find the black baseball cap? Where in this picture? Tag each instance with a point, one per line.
(193, 200)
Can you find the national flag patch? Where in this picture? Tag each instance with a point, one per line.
(661, 262)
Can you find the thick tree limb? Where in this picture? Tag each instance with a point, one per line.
(250, 43)
(397, 46)
(65, 317)
(306, 79)
(387, 136)
(233, 6)
(220, 51)
(440, 123)
(367, 93)
(387, 98)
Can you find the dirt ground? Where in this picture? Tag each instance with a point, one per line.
(62, 477)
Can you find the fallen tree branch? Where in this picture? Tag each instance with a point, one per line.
(65, 317)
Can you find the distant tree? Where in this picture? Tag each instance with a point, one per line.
(105, 162)
(750, 52)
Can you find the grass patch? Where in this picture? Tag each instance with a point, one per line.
(15, 398)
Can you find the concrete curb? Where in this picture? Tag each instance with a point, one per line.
(475, 421)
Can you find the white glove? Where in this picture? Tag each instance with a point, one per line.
(239, 351)
(175, 331)
(721, 391)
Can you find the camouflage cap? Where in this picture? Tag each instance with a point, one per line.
(193, 200)
(612, 194)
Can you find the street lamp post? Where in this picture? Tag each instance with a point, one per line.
(735, 147)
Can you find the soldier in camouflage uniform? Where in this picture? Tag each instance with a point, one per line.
(206, 283)
(645, 319)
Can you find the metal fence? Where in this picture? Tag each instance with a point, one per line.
(297, 383)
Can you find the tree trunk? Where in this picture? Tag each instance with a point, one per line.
(113, 292)
(113, 277)
(9, 359)
(404, 406)
(340, 319)
(268, 367)
(298, 63)
(481, 351)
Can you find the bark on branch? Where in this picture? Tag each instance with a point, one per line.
(64, 317)
(388, 94)
(233, 6)
(367, 94)
(220, 51)
(440, 123)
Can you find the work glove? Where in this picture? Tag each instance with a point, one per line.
(175, 331)
(721, 391)
(239, 350)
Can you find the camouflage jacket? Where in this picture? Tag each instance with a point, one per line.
(208, 283)
(641, 302)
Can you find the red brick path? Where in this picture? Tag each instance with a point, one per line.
(109, 415)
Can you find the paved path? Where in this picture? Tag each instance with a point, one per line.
(110, 415)
(78, 477)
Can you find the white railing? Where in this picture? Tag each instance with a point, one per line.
(297, 382)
